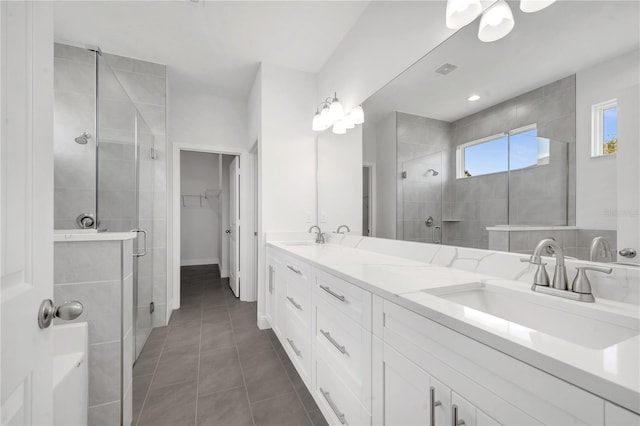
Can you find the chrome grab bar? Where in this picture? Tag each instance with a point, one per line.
(333, 406)
(333, 341)
(297, 271)
(334, 294)
(293, 302)
(145, 242)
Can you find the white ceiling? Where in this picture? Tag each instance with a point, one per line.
(544, 47)
(212, 45)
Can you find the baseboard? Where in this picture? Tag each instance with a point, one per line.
(263, 324)
(224, 273)
(196, 262)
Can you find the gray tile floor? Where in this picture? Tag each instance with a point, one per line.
(213, 366)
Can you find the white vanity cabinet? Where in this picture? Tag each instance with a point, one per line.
(616, 416)
(274, 290)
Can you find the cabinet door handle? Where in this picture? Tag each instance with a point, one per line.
(433, 404)
(293, 302)
(271, 279)
(297, 271)
(334, 294)
(337, 412)
(333, 341)
(293, 346)
(454, 417)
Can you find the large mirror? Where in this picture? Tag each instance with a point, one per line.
(498, 145)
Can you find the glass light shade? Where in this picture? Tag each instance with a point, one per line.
(357, 114)
(339, 128)
(336, 110)
(531, 6)
(325, 116)
(462, 12)
(348, 122)
(496, 22)
(318, 123)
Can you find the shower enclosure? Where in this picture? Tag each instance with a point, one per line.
(104, 176)
(439, 203)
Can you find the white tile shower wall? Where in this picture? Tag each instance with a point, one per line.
(145, 84)
(99, 274)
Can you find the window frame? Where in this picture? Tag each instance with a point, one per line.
(597, 127)
(460, 166)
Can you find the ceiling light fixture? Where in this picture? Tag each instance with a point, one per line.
(496, 22)
(530, 6)
(462, 12)
(473, 98)
(330, 113)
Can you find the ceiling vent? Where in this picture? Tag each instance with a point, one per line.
(445, 69)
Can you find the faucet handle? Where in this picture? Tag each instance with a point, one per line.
(581, 283)
(541, 277)
(534, 260)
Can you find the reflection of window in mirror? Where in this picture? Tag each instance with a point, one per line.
(604, 128)
(515, 150)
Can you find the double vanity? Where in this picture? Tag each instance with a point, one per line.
(380, 336)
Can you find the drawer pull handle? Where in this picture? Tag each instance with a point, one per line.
(333, 341)
(334, 294)
(433, 403)
(293, 302)
(337, 412)
(297, 271)
(293, 346)
(454, 417)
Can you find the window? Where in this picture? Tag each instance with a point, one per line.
(517, 149)
(604, 128)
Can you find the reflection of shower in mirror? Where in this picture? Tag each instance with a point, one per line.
(433, 172)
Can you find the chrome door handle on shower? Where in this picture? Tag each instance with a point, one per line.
(433, 235)
(145, 242)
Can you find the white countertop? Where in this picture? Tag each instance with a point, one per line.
(612, 373)
(68, 235)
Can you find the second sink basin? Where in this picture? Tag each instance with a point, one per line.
(578, 324)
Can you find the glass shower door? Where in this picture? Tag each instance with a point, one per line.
(125, 188)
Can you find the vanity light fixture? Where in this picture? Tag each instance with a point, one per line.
(473, 98)
(530, 6)
(330, 113)
(497, 20)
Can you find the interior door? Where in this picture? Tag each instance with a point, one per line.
(26, 209)
(234, 226)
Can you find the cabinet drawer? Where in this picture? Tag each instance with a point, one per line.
(347, 298)
(298, 344)
(298, 297)
(346, 346)
(297, 271)
(337, 403)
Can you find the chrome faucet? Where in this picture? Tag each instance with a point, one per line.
(600, 248)
(342, 226)
(319, 234)
(580, 289)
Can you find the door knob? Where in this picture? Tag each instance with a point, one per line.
(228, 231)
(628, 252)
(68, 310)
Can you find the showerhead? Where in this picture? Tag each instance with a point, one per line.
(433, 172)
(83, 138)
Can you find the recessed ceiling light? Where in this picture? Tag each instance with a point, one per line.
(473, 98)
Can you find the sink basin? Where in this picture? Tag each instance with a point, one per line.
(299, 243)
(498, 307)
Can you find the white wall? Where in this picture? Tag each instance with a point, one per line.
(596, 197)
(386, 40)
(339, 183)
(200, 219)
(386, 178)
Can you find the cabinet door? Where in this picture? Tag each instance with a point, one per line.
(406, 391)
(271, 293)
(463, 410)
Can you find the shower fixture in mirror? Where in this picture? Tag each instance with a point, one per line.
(496, 152)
